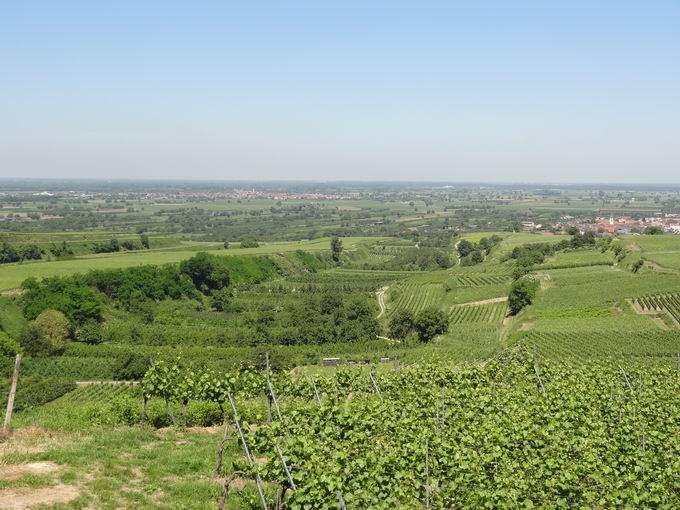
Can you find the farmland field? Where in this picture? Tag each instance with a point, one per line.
(360, 324)
(12, 275)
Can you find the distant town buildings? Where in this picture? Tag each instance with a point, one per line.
(669, 223)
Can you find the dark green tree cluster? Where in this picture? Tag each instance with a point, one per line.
(472, 254)
(130, 286)
(336, 249)
(61, 250)
(522, 294)
(420, 259)
(206, 272)
(317, 319)
(249, 243)
(9, 253)
(68, 295)
(427, 324)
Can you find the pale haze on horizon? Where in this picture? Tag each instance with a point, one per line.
(494, 91)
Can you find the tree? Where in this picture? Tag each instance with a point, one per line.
(144, 240)
(205, 272)
(30, 252)
(401, 324)
(654, 230)
(522, 294)
(220, 299)
(473, 258)
(226, 245)
(90, 333)
(46, 335)
(637, 265)
(8, 346)
(336, 249)
(8, 254)
(53, 326)
(429, 323)
(249, 243)
(465, 247)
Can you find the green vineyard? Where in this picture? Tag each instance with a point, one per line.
(99, 392)
(491, 313)
(585, 345)
(482, 279)
(415, 296)
(669, 303)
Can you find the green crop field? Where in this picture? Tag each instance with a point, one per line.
(11, 275)
(567, 345)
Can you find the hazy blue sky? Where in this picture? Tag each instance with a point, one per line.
(531, 91)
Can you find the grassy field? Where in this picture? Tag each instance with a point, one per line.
(11, 275)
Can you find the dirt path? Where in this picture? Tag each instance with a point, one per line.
(89, 383)
(455, 251)
(484, 301)
(380, 294)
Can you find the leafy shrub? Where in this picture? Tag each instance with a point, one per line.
(206, 272)
(68, 295)
(90, 333)
(53, 326)
(429, 323)
(249, 243)
(130, 368)
(522, 294)
(8, 346)
(400, 325)
(35, 391)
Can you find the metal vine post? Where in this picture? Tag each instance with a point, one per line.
(249, 456)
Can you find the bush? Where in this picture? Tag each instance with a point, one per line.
(205, 272)
(522, 294)
(33, 392)
(637, 265)
(68, 295)
(249, 243)
(8, 346)
(429, 323)
(33, 343)
(401, 324)
(90, 333)
(130, 368)
(220, 299)
(473, 258)
(53, 326)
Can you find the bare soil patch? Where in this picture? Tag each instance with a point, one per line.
(485, 301)
(15, 471)
(18, 499)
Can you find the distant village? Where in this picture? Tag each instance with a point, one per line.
(666, 222)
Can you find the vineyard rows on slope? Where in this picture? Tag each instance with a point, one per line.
(486, 313)
(585, 345)
(669, 303)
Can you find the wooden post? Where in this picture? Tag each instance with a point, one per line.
(220, 450)
(10, 400)
(142, 417)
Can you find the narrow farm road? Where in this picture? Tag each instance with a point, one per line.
(484, 301)
(381, 300)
